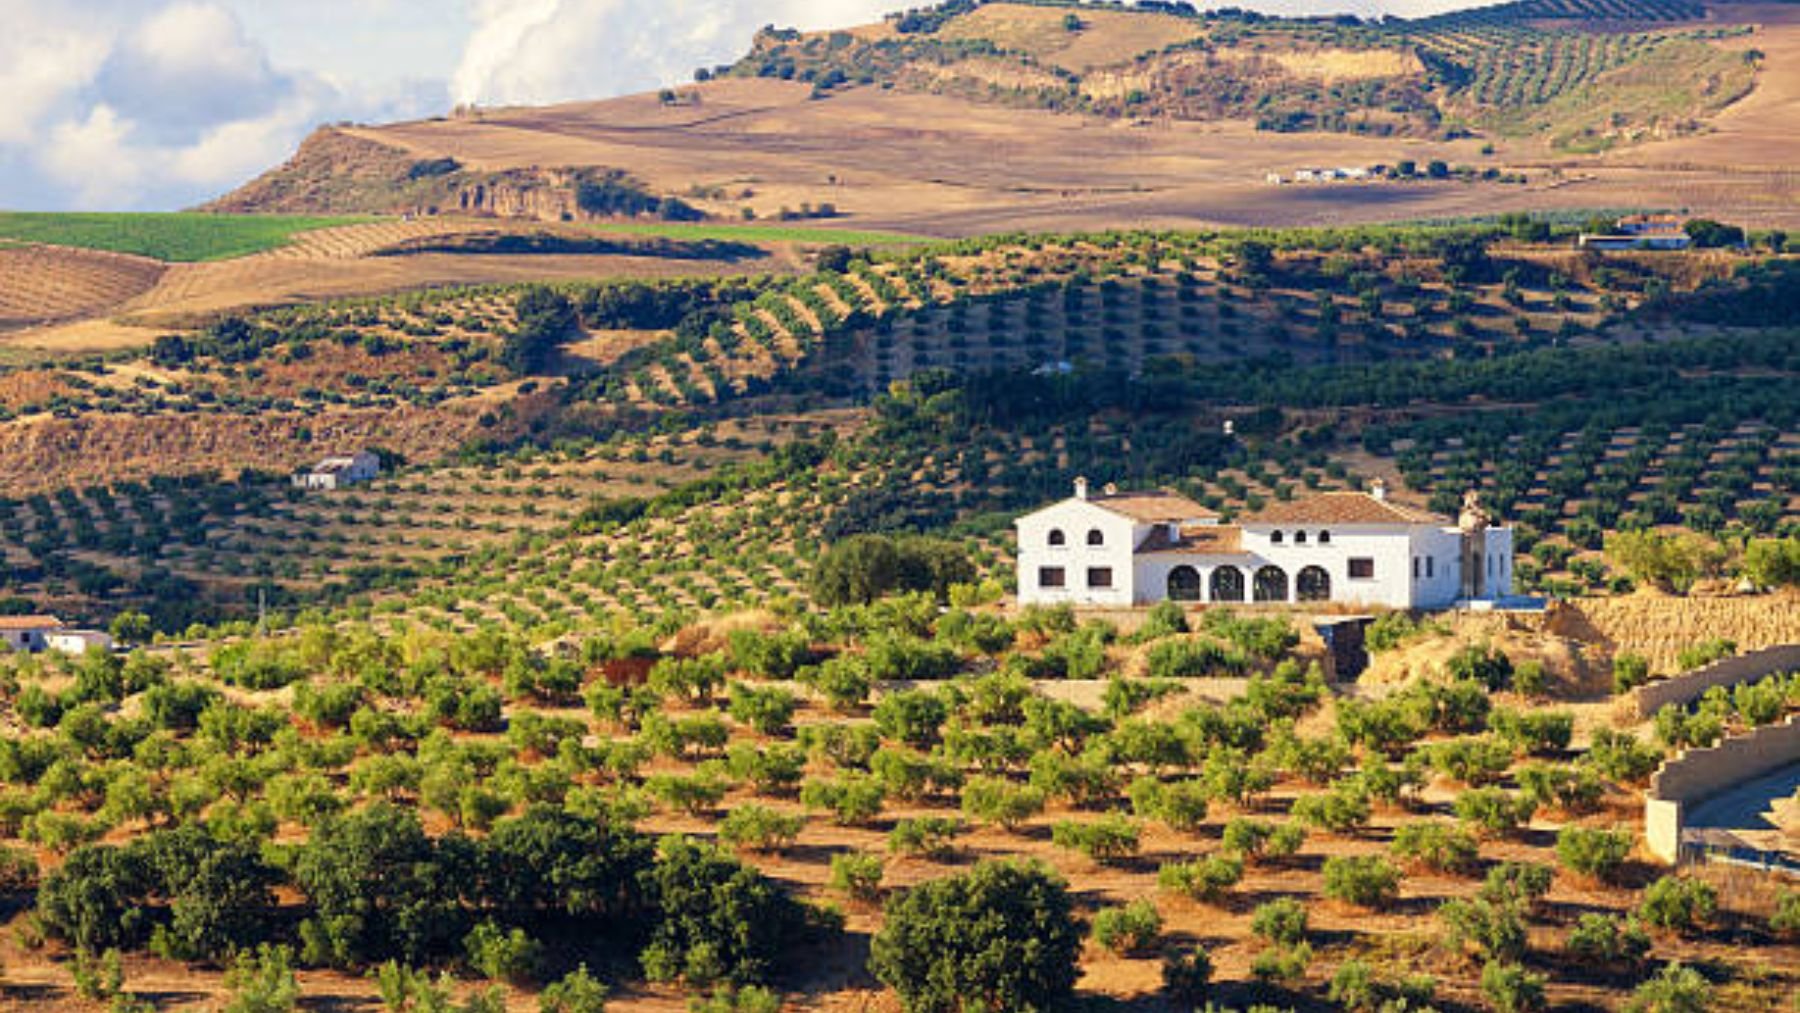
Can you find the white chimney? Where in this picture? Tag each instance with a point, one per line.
(1378, 489)
(1080, 488)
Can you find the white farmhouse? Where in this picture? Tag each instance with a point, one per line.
(1123, 549)
(28, 634)
(337, 472)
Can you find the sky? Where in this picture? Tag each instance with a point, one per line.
(161, 104)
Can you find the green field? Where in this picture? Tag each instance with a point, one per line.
(755, 233)
(184, 237)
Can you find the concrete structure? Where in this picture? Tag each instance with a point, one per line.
(1641, 232)
(29, 634)
(1120, 549)
(1690, 686)
(78, 641)
(1698, 774)
(337, 472)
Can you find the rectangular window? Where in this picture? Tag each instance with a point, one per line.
(1050, 576)
(1415, 567)
(1430, 566)
(1100, 576)
(1362, 568)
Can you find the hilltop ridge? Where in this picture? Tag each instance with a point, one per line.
(1103, 116)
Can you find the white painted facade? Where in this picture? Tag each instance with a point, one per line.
(1121, 550)
(78, 642)
(337, 472)
(28, 634)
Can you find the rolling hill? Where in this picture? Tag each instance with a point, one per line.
(1104, 116)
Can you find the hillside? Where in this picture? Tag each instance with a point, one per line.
(1184, 116)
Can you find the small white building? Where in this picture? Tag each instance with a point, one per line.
(1124, 549)
(337, 472)
(78, 642)
(29, 634)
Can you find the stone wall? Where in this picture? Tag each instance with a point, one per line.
(1698, 774)
(1728, 672)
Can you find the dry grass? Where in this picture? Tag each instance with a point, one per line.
(1108, 38)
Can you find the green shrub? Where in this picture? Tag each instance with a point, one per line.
(1366, 881)
(1342, 810)
(844, 682)
(1785, 921)
(1622, 756)
(854, 799)
(1004, 931)
(1511, 988)
(999, 801)
(1281, 964)
(1436, 846)
(1530, 679)
(1494, 810)
(1181, 805)
(915, 717)
(726, 999)
(1493, 931)
(1132, 928)
(261, 981)
(1481, 663)
(1571, 788)
(925, 836)
(1103, 840)
(1629, 672)
(1608, 940)
(1187, 975)
(1596, 854)
(1187, 659)
(1473, 761)
(1281, 921)
(767, 709)
(1258, 840)
(1679, 905)
(575, 992)
(759, 828)
(1354, 987)
(857, 875)
(1533, 731)
(1705, 653)
(1519, 884)
(719, 919)
(1203, 879)
(500, 955)
(1675, 989)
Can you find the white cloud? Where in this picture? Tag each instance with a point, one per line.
(45, 56)
(539, 51)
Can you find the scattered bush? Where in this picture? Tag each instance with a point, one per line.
(1596, 854)
(1677, 904)
(1281, 921)
(1132, 928)
(1366, 881)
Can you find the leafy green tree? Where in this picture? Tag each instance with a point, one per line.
(1674, 989)
(262, 981)
(381, 888)
(546, 318)
(1002, 936)
(717, 919)
(575, 992)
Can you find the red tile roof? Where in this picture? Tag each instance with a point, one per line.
(1199, 539)
(1342, 508)
(30, 623)
(1152, 507)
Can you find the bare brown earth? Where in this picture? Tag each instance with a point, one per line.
(80, 301)
(902, 161)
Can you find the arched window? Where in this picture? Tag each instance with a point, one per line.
(1227, 584)
(1184, 584)
(1271, 584)
(1096, 536)
(1324, 538)
(1313, 584)
(1057, 537)
(1299, 538)
(1274, 538)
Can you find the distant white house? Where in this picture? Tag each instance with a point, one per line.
(1136, 548)
(337, 472)
(40, 633)
(29, 634)
(78, 641)
(1641, 232)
